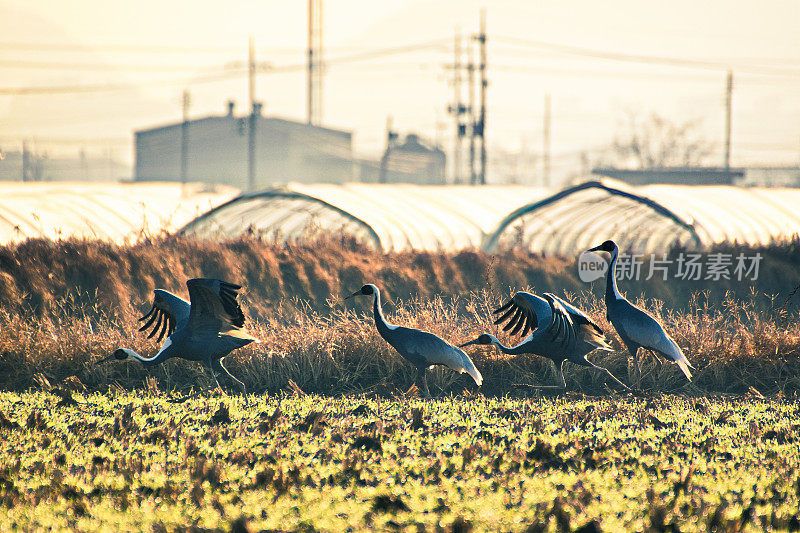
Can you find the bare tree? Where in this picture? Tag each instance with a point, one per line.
(657, 142)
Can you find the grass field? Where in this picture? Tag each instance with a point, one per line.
(330, 441)
(133, 462)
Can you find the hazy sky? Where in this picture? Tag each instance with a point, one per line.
(150, 51)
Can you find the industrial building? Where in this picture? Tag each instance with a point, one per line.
(216, 149)
(412, 161)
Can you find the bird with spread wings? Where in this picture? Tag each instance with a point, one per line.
(559, 331)
(205, 329)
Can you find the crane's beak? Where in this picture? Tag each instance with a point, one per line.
(596, 248)
(474, 341)
(120, 355)
(104, 359)
(353, 295)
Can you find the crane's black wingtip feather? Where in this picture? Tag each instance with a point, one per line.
(153, 315)
(150, 312)
(528, 322)
(520, 323)
(503, 307)
(158, 326)
(514, 319)
(229, 286)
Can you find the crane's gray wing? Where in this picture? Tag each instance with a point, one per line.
(645, 330)
(578, 316)
(526, 311)
(168, 313)
(562, 329)
(418, 345)
(522, 313)
(214, 305)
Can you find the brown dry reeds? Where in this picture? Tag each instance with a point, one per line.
(65, 304)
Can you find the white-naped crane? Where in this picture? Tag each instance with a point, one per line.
(205, 330)
(559, 331)
(636, 327)
(421, 348)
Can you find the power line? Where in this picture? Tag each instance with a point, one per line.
(60, 65)
(228, 74)
(595, 74)
(146, 48)
(112, 87)
(158, 49)
(68, 141)
(640, 58)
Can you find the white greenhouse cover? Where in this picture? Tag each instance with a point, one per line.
(403, 216)
(118, 212)
(651, 218)
(388, 216)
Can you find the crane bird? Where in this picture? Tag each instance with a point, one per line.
(636, 327)
(560, 332)
(205, 330)
(421, 348)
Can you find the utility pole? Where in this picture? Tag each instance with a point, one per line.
(546, 142)
(481, 126)
(457, 109)
(314, 75)
(728, 105)
(251, 131)
(185, 102)
(473, 177)
(391, 136)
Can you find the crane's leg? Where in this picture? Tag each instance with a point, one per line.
(585, 362)
(634, 351)
(563, 385)
(561, 374)
(194, 394)
(213, 373)
(659, 357)
(422, 378)
(218, 363)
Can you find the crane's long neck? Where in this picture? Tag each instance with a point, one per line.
(512, 350)
(384, 328)
(163, 354)
(612, 292)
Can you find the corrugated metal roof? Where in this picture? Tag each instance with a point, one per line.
(391, 217)
(116, 212)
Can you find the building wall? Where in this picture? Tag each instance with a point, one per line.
(218, 152)
(675, 175)
(773, 177)
(409, 162)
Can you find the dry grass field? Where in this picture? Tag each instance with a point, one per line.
(66, 304)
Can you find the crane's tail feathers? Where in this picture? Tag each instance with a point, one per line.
(594, 337)
(684, 366)
(469, 367)
(674, 352)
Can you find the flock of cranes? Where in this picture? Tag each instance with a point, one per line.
(211, 325)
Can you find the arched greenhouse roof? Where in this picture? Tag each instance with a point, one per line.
(649, 218)
(388, 216)
(117, 212)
